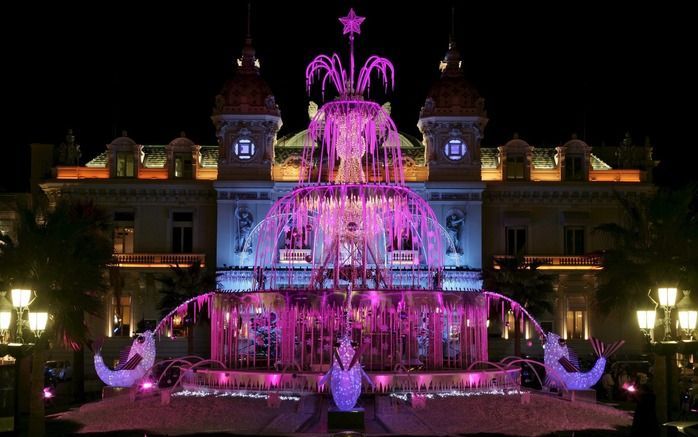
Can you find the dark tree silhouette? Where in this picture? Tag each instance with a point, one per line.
(655, 243)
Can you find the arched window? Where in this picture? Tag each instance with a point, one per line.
(455, 149)
(244, 149)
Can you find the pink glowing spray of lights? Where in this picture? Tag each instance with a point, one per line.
(358, 133)
(350, 232)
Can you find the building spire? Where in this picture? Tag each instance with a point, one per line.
(452, 35)
(450, 66)
(249, 19)
(248, 63)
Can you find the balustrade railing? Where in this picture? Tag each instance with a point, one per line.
(410, 257)
(288, 256)
(561, 262)
(158, 259)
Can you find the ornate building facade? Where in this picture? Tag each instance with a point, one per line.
(184, 203)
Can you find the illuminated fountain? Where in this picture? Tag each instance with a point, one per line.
(350, 262)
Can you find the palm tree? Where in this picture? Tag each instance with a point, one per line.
(525, 284)
(180, 286)
(656, 244)
(63, 255)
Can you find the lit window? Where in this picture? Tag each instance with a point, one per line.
(515, 167)
(576, 317)
(183, 163)
(455, 149)
(125, 165)
(123, 235)
(244, 149)
(121, 316)
(123, 239)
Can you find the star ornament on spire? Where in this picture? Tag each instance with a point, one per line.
(352, 23)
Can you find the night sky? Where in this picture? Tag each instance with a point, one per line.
(545, 70)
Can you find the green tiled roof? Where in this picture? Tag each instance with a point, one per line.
(598, 164)
(543, 158)
(488, 157)
(98, 161)
(154, 156)
(209, 156)
(292, 144)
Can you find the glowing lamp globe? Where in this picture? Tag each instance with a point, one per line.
(20, 297)
(37, 322)
(5, 318)
(646, 319)
(667, 296)
(688, 319)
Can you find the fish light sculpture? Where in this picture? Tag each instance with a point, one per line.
(345, 375)
(134, 363)
(565, 366)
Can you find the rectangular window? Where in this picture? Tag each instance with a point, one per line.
(123, 239)
(515, 167)
(574, 240)
(515, 241)
(121, 317)
(576, 317)
(123, 235)
(183, 165)
(575, 324)
(125, 165)
(574, 168)
(182, 232)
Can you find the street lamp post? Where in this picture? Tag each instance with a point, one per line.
(665, 377)
(16, 373)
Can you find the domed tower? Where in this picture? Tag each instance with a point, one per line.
(452, 121)
(247, 119)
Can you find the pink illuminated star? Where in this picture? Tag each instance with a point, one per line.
(352, 22)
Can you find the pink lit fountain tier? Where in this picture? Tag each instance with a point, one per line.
(360, 235)
(408, 340)
(350, 243)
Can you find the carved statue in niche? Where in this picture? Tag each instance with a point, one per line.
(454, 226)
(245, 220)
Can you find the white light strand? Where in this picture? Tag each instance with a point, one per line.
(230, 394)
(458, 393)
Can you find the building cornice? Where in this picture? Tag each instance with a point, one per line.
(110, 191)
(542, 192)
